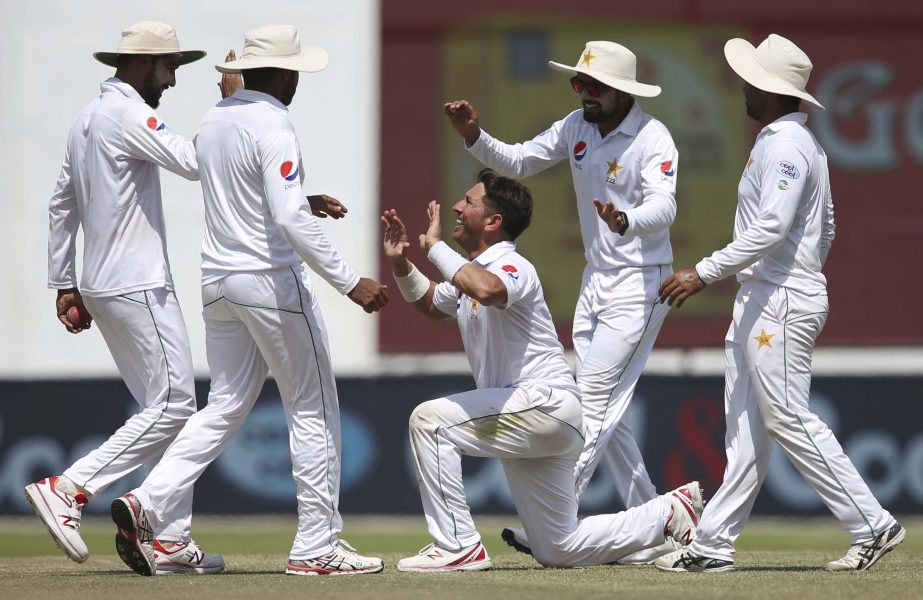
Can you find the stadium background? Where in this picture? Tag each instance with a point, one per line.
(373, 134)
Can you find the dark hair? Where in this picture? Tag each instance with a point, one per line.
(789, 104)
(258, 78)
(508, 198)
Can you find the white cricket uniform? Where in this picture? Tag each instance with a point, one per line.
(110, 186)
(526, 411)
(618, 317)
(261, 314)
(782, 233)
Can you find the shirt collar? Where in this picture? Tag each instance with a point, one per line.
(116, 84)
(245, 95)
(795, 118)
(632, 121)
(494, 252)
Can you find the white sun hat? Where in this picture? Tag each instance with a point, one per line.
(276, 46)
(612, 64)
(148, 37)
(777, 65)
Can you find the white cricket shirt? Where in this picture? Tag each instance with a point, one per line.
(784, 223)
(634, 168)
(256, 215)
(110, 185)
(514, 345)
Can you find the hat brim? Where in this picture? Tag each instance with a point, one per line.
(741, 56)
(185, 56)
(311, 60)
(628, 86)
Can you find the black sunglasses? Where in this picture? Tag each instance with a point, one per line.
(594, 88)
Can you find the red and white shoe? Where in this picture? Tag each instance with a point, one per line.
(60, 512)
(185, 557)
(344, 560)
(688, 505)
(433, 558)
(134, 538)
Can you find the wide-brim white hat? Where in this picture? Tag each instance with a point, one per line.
(612, 64)
(777, 65)
(276, 46)
(149, 37)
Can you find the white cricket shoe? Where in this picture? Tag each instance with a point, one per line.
(344, 560)
(434, 559)
(134, 538)
(684, 561)
(688, 505)
(861, 557)
(185, 557)
(60, 512)
(649, 555)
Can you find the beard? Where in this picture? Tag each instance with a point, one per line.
(151, 91)
(593, 112)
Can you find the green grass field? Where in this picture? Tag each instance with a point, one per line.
(777, 558)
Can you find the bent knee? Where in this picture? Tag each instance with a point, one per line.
(554, 555)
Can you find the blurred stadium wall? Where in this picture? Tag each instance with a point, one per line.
(373, 134)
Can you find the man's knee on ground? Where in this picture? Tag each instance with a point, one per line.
(554, 553)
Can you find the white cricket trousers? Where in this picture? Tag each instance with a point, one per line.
(769, 348)
(536, 434)
(256, 323)
(616, 322)
(147, 337)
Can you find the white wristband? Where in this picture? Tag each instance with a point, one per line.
(413, 285)
(448, 261)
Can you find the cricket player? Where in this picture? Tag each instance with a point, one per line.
(526, 410)
(260, 311)
(624, 164)
(110, 186)
(782, 234)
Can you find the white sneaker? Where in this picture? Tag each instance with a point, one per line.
(516, 539)
(860, 557)
(433, 558)
(185, 557)
(134, 538)
(688, 505)
(649, 555)
(344, 560)
(60, 512)
(684, 561)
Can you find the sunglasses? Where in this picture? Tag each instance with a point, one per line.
(593, 88)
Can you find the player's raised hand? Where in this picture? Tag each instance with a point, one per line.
(433, 234)
(464, 119)
(369, 294)
(230, 82)
(323, 206)
(679, 286)
(608, 213)
(395, 238)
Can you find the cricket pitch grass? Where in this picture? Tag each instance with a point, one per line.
(777, 558)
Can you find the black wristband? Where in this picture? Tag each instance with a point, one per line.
(624, 223)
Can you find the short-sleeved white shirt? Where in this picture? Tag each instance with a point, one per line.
(256, 214)
(110, 185)
(514, 345)
(634, 168)
(784, 223)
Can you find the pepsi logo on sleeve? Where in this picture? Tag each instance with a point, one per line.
(579, 151)
(666, 168)
(288, 171)
(789, 170)
(511, 272)
(153, 125)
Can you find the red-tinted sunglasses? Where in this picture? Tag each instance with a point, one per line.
(594, 88)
